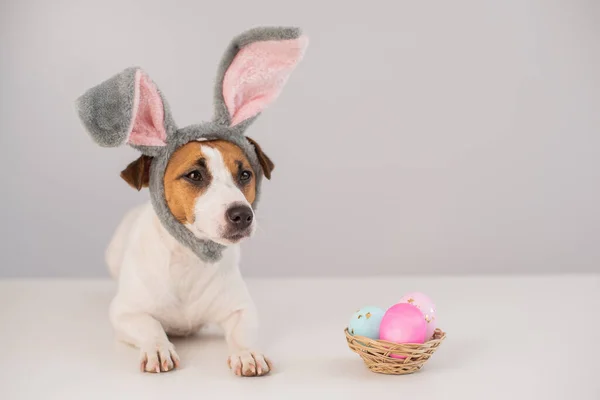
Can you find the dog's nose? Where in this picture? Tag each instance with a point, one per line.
(240, 216)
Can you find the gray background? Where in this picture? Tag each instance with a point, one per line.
(416, 137)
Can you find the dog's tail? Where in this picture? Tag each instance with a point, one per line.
(116, 248)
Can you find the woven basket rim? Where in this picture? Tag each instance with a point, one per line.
(364, 341)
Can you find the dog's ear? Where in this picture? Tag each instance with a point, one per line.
(137, 174)
(264, 160)
(253, 71)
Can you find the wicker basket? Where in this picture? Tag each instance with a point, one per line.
(376, 353)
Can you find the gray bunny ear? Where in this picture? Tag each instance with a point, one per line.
(129, 109)
(253, 71)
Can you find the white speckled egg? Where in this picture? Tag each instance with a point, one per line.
(365, 322)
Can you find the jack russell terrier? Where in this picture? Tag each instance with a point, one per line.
(176, 259)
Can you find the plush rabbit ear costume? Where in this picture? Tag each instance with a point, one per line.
(129, 109)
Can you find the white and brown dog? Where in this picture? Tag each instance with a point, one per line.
(164, 288)
(177, 257)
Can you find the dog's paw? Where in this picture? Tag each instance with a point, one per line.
(249, 363)
(159, 358)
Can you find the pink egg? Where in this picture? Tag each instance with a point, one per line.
(403, 323)
(427, 307)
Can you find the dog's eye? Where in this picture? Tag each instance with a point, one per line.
(195, 176)
(245, 176)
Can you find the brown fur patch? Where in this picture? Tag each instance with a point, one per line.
(181, 195)
(264, 160)
(137, 173)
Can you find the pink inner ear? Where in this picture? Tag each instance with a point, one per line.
(147, 124)
(257, 74)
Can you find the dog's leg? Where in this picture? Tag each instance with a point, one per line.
(240, 332)
(146, 333)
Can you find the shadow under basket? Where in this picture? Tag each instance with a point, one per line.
(376, 353)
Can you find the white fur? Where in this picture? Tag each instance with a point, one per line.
(165, 289)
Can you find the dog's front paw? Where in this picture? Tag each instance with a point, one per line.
(159, 358)
(249, 363)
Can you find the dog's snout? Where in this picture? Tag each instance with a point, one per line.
(240, 216)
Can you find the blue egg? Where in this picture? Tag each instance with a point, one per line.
(365, 322)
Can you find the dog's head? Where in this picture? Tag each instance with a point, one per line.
(204, 179)
(210, 188)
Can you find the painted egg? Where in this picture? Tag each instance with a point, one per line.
(427, 307)
(403, 323)
(365, 322)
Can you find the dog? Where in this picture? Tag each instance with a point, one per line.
(176, 258)
(164, 289)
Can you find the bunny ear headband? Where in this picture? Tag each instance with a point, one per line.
(129, 109)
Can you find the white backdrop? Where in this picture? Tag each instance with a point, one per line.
(415, 137)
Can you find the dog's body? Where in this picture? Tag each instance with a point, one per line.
(162, 278)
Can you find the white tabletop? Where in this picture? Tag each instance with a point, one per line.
(508, 338)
